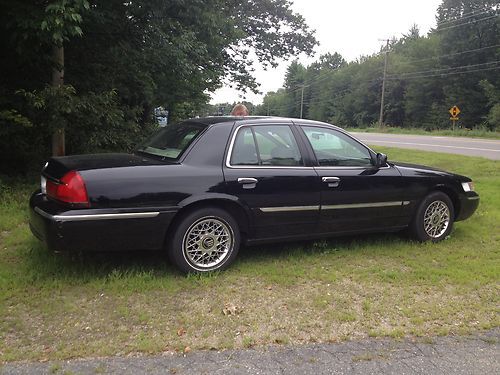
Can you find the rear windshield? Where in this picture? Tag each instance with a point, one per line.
(171, 141)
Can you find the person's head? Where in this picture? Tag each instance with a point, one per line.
(239, 110)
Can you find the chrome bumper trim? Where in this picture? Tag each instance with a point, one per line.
(126, 215)
(473, 198)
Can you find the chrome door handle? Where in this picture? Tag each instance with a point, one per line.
(331, 181)
(248, 182)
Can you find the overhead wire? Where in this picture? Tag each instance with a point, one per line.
(406, 74)
(453, 54)
(444, 74)
(419, 74)
(465, 16)
(466, 23)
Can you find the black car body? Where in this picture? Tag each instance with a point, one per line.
(201, 187)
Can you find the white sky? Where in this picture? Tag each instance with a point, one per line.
(349, 27)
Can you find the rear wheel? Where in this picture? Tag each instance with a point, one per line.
(433, 220)
(207, 239)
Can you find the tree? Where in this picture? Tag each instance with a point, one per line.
(455, 64)
(142, 54)
(493, 95)
(468, 25)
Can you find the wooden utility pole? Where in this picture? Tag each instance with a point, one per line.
(58, 143)
(381, 115)
(302, 99)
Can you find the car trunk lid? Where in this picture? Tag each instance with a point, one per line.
(57, 167)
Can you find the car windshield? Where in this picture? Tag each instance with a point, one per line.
(171, 141)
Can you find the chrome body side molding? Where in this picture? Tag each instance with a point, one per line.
(125, 215)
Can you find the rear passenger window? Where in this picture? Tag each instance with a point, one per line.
(244, 150)
(270, 145)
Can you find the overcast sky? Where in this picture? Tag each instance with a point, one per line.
(349, 27)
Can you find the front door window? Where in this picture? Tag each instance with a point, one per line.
(334, 149)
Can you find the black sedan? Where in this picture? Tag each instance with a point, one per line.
(200, 188)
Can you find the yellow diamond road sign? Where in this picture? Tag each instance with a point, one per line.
(454, 111)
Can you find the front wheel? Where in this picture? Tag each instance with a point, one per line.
(207, 239)
(433, 220)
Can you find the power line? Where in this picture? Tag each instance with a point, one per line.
(480, 9)
(295, 104)
(405, 74)
(321, 77)
(453, 54)
(465, 16)
(312, 100)
(334, 92)
(445, 74)
(466, 23)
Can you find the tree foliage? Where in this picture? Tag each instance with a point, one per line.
(123, 59)
(457, 63)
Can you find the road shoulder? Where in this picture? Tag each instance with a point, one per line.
(473, 354)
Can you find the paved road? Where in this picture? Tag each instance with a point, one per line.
(487, 148)
(478, 354)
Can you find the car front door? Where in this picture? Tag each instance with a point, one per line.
(355, 194)
(265, 170)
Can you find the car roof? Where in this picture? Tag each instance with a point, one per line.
(221, 119)
(214, 120)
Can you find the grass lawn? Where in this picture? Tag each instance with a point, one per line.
(475, 133)
(61, 306)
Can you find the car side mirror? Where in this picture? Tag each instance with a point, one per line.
(381, 160)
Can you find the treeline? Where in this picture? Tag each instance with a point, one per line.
(93, 71)
(457, 63)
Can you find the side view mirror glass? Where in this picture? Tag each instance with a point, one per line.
(381, 160)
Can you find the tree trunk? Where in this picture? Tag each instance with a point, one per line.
(58, 144)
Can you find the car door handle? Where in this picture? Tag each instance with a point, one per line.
(331, 181)
(248, 182)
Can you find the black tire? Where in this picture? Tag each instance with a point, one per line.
(204, 240)
(433, 219)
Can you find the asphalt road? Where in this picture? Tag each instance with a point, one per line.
(477, 354)
(486, 148)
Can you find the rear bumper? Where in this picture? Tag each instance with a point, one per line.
(468, 205)
(98, 229)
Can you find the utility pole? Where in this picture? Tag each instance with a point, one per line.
(381, 116)
(302, 98)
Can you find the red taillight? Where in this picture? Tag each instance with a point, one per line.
(71, 189)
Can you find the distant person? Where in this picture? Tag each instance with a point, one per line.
(239, 110)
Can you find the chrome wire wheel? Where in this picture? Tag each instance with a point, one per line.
(207, 243)
(436, 219)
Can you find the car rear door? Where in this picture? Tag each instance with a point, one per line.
(355, 194)
(266, 170)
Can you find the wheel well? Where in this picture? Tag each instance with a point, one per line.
(235, 210)
(453, 196)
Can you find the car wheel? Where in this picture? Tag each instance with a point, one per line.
(433, 220)
(205, 240)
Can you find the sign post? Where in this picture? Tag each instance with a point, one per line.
(454, 112)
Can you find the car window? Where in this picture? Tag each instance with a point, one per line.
(270, 145)
(332, 148)
(171, 141)
(244, 150)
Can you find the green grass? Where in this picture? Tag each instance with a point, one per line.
(476, 133)
(55, 306)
